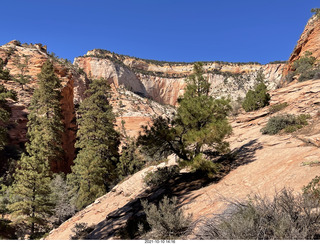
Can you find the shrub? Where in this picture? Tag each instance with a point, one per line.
(4, 73)
(166, 221)
(277, 107)
(284, 217)
(288, 122)
(161, 176)
(204, 166)
(257, 98)
(316, 11)
(81, 230)
(306, 67)
(313, 188)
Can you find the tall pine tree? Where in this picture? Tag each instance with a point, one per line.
(97, 143)
(31, 188)
(200, 121)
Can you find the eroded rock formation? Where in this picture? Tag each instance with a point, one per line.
(164, 82)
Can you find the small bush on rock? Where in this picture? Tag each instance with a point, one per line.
(277, 107)
(81, 230)
(166, 221)
(287, 122)
(161, 176)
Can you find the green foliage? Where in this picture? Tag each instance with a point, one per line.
(286, 217)
(167, 222)
(160, 176)
(257, 98)
(306, 67)
(130, 160)
(4, 200)
(4, 73)
(200, 121)
(288, 122)
(5, 113)
(97, 142)
(316, 11)
(277, 107)
(22, 65)
(278, 62)
(31, 202)
(200, 164)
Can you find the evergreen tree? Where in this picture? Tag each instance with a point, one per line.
(200, 120)
(4, 73)
(130, 161)
(31, 188)
(97, 143)
(257, 98)
(5, 113)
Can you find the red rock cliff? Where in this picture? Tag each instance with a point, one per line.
(308, 41)
(73, 87)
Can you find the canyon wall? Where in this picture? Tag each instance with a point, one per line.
(27, 60)
(164, 82)
(131, 109)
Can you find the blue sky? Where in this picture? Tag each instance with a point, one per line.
(171, 30)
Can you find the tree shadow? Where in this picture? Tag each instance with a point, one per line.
(124, 221)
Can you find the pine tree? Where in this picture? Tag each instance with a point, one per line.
(257, 98)
(130, 161)
(5, 113)
(97, 144)
(31, 188)
(200, 120)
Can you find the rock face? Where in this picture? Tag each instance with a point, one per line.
(164, 82)
(32, 57)
(263, 164)
(134, 110)
(309, 41)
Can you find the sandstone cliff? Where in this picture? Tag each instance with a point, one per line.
(308, 41)
(164, 82)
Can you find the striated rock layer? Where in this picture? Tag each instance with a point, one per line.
(308, 41)
(164, 82)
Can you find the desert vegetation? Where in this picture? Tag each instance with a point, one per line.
(285, 122)
(257, 98)
(285, 217)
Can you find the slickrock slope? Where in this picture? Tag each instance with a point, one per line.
(308, 41)
(262, 165)
(164, 82)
